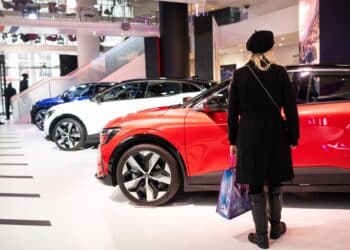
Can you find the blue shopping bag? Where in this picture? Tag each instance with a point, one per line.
(233, 197)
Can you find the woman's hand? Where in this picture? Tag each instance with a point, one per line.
(233, 149)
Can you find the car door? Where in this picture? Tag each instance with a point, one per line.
(118, 101)
(206, 141)
(324, 147)
(163, 93)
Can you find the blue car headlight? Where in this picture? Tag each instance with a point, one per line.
(108, 133)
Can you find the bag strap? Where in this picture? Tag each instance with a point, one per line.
(266, 91)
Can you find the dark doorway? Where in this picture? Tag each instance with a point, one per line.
(68, 63)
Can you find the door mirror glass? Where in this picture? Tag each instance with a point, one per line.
(99, 98)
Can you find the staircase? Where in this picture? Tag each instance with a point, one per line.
(98, 69)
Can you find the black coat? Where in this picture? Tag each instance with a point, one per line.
(256, 127)
(8, 93)
(23, 85)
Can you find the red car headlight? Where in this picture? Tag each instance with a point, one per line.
(107, 134)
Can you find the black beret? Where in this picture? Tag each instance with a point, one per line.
(260, 42)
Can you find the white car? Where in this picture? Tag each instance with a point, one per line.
(73, 125)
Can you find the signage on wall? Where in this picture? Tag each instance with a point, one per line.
(309, 31)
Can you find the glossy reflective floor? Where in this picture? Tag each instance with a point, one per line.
(65, 207)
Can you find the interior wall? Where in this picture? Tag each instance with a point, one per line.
(286, 55)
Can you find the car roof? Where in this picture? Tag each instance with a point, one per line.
(167, 78)
(319, 68)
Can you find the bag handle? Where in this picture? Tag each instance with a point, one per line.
(266, 91)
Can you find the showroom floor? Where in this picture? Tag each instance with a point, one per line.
(49, 199)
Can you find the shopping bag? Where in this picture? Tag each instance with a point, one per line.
(233, 197)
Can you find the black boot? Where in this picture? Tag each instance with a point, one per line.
(258, 204)
(275, 200)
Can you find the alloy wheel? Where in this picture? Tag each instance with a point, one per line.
(147, 176)
(68, 135)
(39, 118)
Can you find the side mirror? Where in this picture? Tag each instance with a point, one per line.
(212, 105)
(99, 98)
(65, 97)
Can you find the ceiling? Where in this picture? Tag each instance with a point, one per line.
(233, 34)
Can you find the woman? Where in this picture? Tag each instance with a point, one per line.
(260, 137)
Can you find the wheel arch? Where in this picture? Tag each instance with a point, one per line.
(151, 139)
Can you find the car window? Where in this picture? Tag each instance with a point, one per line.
(77, 91)
(141, 90)
(300, 83)
(100, 88)
(121, 92)
(219, 100)
(160, 89)
(327, 88)
(189, 87)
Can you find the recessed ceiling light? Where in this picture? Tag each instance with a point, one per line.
(241, 50)
(282, 38)
(213, 8)
(280, 44)
(94, 33)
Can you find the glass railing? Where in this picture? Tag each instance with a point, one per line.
(96, 13)
(95, 71)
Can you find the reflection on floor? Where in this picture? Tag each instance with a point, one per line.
(67, 208)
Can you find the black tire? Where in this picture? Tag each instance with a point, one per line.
(163, 179)
(39, 118)
(69, 134)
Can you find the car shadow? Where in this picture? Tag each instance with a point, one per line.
(290, 200)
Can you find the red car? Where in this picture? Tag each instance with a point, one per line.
(153, 153)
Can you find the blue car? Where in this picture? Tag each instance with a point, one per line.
(76, 93)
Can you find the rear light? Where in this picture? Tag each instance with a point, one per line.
(107, 134)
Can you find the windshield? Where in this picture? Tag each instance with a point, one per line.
(77, 91)
(192, 102)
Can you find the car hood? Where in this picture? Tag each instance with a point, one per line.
(73, 106)
(49, 101)
(146, 114)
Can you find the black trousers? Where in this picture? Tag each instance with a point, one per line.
(7, 109)
(257, 189)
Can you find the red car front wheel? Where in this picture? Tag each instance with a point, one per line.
(148, 175)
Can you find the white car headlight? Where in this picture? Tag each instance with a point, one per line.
(108, 133)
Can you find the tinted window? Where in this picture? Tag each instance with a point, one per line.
(219, 100)
(300, 83)
(121, 92)
(189, 87)
(78, 90)
(100, 88)
(141, 90)
(160, 89)
(326, 88)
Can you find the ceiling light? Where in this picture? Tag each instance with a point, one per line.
(282, 38)
(280, 44)
(241, 50)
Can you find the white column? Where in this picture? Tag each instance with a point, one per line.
(88, 48)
